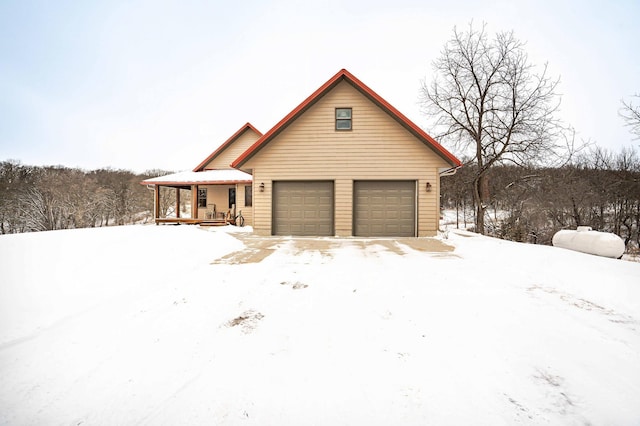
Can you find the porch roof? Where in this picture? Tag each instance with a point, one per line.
(207, 177)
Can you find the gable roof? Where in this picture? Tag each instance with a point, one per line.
(200, 167)
(344, 75)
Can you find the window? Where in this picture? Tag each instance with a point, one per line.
(248, 196)
(343, 118)
(202, 197)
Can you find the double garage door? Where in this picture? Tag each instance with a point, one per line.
(380, 208)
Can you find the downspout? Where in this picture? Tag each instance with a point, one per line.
(155, 205)
(446, 172)
(449, 172)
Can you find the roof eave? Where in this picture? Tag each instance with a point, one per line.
(188, 183)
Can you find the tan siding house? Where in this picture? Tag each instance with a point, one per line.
(346, 163)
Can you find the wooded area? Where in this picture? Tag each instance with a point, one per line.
(599, 189)
(34, 198)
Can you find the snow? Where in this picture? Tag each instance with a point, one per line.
(207, 176)
(167, 325)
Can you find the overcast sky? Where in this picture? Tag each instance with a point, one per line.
(142, 84)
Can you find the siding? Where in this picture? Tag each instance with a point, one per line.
(247, 211)
(377, 148)
(224, 159)
(216, 194)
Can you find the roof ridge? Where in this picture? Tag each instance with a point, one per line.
(344, 74)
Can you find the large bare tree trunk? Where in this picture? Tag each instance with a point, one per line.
(477, 200)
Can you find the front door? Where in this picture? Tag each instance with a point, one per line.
(232, 198)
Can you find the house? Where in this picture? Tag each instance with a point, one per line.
(342, 163)
(218, 192)
(345, 162)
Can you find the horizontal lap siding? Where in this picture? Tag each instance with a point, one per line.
(217, 195)
(229, 155)
(378, 148)
(343, 206)
(428, 205)
(262, 204)
(247, 211)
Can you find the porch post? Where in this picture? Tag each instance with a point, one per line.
(156, 202)
(194, 201)
(177, 203)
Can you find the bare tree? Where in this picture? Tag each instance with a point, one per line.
(631, 115)
(487, 98)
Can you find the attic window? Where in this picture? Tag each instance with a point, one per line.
(343, 118)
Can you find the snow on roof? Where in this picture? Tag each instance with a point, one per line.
(205, 177)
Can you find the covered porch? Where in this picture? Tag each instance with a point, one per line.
(210, 197)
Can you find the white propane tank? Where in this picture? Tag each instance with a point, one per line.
(585, 240)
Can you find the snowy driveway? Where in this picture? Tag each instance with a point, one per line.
(256, 249)
(176, 325)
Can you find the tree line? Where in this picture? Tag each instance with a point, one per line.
(44, 198)
(527, 203)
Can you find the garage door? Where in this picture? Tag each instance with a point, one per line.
(384, 208)
(303, 208)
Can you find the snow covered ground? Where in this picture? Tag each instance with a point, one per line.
(178, 325)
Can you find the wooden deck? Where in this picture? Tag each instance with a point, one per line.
(189, 221)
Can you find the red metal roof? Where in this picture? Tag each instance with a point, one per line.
(344, 75)
(227, 143)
